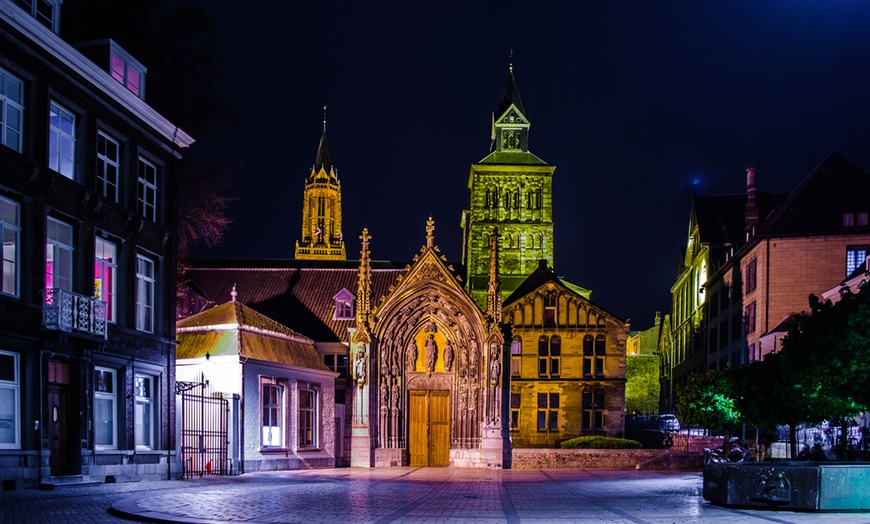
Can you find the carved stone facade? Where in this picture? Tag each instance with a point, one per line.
(428, 335)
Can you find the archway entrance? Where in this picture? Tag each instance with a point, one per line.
(429, 431)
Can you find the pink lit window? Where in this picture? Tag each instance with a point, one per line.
(118, 68)
(105, 269)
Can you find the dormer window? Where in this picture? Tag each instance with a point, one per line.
(46, 12)
(125, 69)
(125, 72)
(344, 300)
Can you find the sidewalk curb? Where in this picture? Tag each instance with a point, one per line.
(128, 509)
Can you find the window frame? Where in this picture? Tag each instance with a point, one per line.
(14, 386)
(103, 264)
(548, 412)
(8, 104)
(112, 398)
(146, 286)
(307, 419)
(516, 357)
(751, 275)
(855, 256)
(10, 232)
(59, 253)
(332, 361)
(147, 206)
(145, 438)
(516, 402)
(61, 136)
(104, 163)
(268, 408)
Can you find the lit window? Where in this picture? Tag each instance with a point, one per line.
(861, 219)
(61, 140)
(145, 279)
(144, 426)
(127, 72)
(105, 409)
(147, 189)
(516, 356)
(272, 397)
(548, 412)
(344, 301)
(10, 392)
(105, 271)
(58, 255)
(855, 256)
(10, 232)
(108, 166)
(11, 110)
(337, 363)
(307, 418)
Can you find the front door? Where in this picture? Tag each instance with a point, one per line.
(63, 443)
(429, 432)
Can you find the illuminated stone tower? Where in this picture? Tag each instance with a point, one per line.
(511, 197)
(321, 209)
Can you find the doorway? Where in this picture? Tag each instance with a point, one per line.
(63, 442)
(429, 432)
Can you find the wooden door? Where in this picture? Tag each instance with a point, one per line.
(429, 428)
(61, 460)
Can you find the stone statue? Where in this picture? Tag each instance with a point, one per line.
(411, 356)
(360, 366)
(431, 352)
(495, 368)
(448, 356)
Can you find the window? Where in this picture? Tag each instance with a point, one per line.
(58, 255)
(344, 301)
(858, 219)
(751, 275)
(61, 140)
(105, 271)
(515, 411)
(855, 256)
(516, 357)
(549, 353)
(550, 310)
(749, 318)
(548, 412)
(600, 345)
(307, 418)
(128, 74)
(273, 415)
(588, 355)
(593, 409)
(337, 363)
(108, 166)
(46, 12)
(144, 426)
(147, 189)
(11, 110)
(105, 409)
(10, 232)
(555, 355)
(593, 355)
(144, 294)
(10, 414)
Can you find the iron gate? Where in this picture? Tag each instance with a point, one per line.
(203, 430)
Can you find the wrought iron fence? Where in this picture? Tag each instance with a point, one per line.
(203, 430)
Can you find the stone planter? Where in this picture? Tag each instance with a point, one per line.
(801, 486)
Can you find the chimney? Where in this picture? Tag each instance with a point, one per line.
(751, 215)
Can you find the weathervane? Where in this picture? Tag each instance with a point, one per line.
(324, 118)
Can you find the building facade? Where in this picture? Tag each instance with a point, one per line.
(765, 254)
(88, 197)
(511, 199)
(567, 367)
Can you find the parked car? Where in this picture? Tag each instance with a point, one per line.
(669, 423)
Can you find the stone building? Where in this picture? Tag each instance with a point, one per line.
(753, 259)
(88, 211)
(567, 363)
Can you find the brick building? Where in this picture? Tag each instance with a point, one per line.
(87, 212)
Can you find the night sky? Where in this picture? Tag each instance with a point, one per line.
(635, 102)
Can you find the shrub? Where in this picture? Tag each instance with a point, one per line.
(598, 442)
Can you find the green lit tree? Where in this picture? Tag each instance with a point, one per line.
(707, 400)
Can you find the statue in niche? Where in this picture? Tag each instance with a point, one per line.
(394, 396)
(430, 327)
(463, 397)
(472, 353)
(385, 395)
(472, 396)
(495, 367)
(359, 366)
(411, 356)
(448, 356)
(431, 352)
(384, 360)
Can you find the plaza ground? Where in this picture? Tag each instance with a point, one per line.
(418, 495)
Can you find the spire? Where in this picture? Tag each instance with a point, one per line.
(511, 94)
(430, 232)
(493, 294)
(322, 160)
(364, 288)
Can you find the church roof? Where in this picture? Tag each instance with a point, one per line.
(516, 157)
(511, 95)
(233, 329)
(298, 294)
(322, 160)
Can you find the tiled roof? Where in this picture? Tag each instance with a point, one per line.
(721, 217)
(297, 294)
(235, 329)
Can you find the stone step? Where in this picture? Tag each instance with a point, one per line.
(67, 481)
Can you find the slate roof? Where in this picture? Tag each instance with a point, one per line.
(721, 218)
(322, 158)
(511, 95)
(233, 329)
(298, 294)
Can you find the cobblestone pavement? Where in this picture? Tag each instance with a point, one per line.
(411, 495)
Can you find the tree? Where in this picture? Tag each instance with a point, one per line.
(707, 400)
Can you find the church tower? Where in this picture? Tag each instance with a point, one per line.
(321, 209)
(511, 198)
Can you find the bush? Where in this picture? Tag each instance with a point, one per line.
(598, 442)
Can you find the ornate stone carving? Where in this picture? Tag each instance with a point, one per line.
(431, 352)
(411, 356)
(448, 356)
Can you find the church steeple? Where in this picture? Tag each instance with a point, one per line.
(321, 209)
(510, 122)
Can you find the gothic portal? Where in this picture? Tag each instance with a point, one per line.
(428, 371)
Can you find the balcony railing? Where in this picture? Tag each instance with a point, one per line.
(67, 311)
